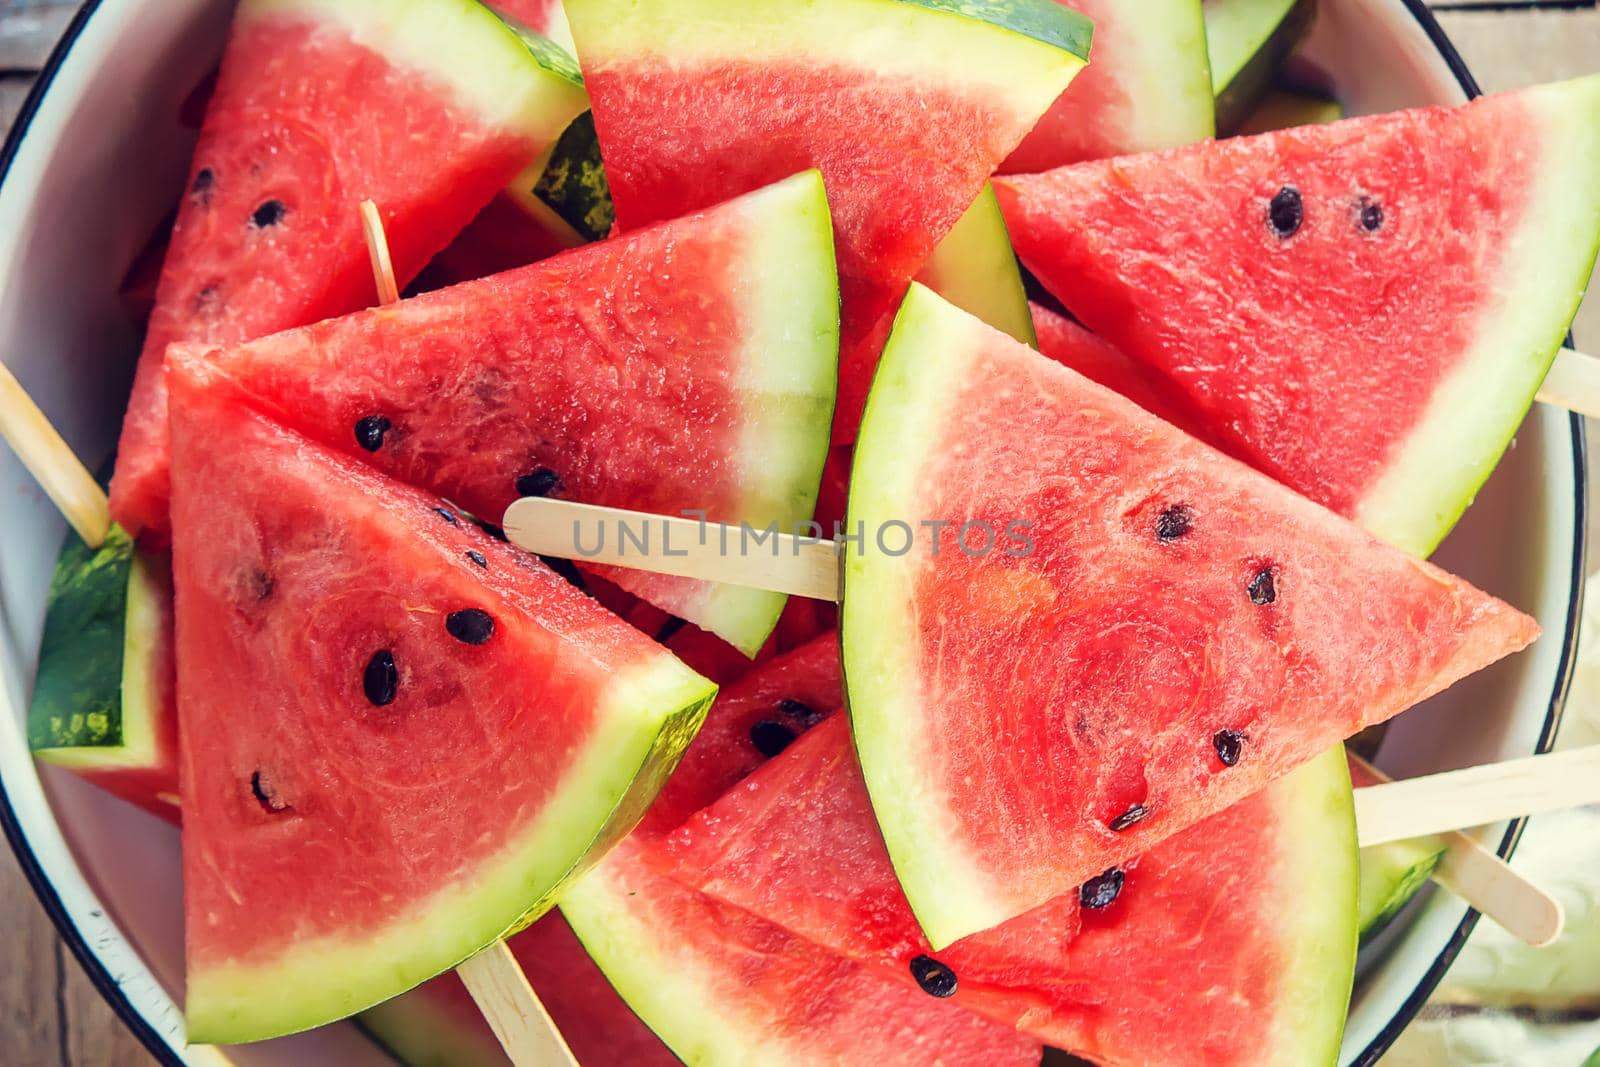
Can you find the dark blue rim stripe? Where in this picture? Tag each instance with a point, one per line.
(168, 1056)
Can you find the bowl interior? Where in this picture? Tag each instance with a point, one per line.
(98, 171)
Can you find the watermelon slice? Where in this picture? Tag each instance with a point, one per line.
(297, 135)
(438, 1025)
(975, 269)
(1169, 670)
(1248, 41)
(1262, 983)
(544, 17)
(399, 736)
(686, 366)
(103, 700)
(1147, 87)
(906, 106)
(1363, 310)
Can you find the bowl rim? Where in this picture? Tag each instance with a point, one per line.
(166, 1054)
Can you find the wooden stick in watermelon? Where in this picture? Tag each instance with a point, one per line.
(1490, 884)
(493, 977)
(51, 461)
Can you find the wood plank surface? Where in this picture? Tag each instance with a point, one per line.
(51, 1015)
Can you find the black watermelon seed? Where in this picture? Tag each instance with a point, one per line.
(447, 515)
(381, 679)
(541, 481)
(1229, 745)
(805, 714)
(1262, 589)
(1286, 212)
(470, 626)
(370, 431)
(1100, 891)
(1129, 817)
(478, 557)
(270, 213)
(1369, 213)
(264, 584)
(1174, 522)
(771, 738)
(935, 978)
(670, 629)
(205, 301)
(265, 796)
(203, 181)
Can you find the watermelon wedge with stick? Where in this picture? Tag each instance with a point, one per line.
(1147, 87)
(1191, 630)
(689, 365)
(1363, 310)
(906, 106)
(1202, 913)
(399, 736)
(298, 133)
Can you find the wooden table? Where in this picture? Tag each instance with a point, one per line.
(49, 1013)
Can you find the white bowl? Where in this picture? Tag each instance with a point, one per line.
(97, 159)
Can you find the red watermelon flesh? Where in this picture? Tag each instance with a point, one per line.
(398, 736)
(1194, 932)
(299, 131)
(1069, 344)
(904, 144)
(439, 1023)
(1147, 87)
(686, 366)
(1067, 710)
(1376, 346)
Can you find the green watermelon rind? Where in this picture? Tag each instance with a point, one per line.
(463, 46)
(975, 268)
(1019, 54)
(572, 182)
(1391, 874)
(790, 369)
(901, 425)
(643, 723)
(1248, 41)
(1434, 474)
(95, 696)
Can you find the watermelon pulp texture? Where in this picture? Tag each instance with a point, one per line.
(399, 737)
(690, 365)
(438, 1024)
(849, 74)
(103, 698)
(1169, 605)
(297, 134)
(1147, 87)
(975, 269)
(1377, 346)
(796, 844)
(720, 985)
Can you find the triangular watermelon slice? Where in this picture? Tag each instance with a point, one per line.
(299, 132)
(1239, 933)
(1363, 310)
(399, 736)
(906, 106)
(1147, 87)
(1134, 630)
(687, 366)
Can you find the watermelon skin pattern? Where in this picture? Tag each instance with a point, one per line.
(296, 136)
(399, 737)
(1379, 350)
(796, 843)
(824, 84)
(1064, 713)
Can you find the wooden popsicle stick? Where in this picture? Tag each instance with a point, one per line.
(1490, 885)
(1573, 383)
(687, 548)
(494, 978)
(1478, 796)
(53, 464)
